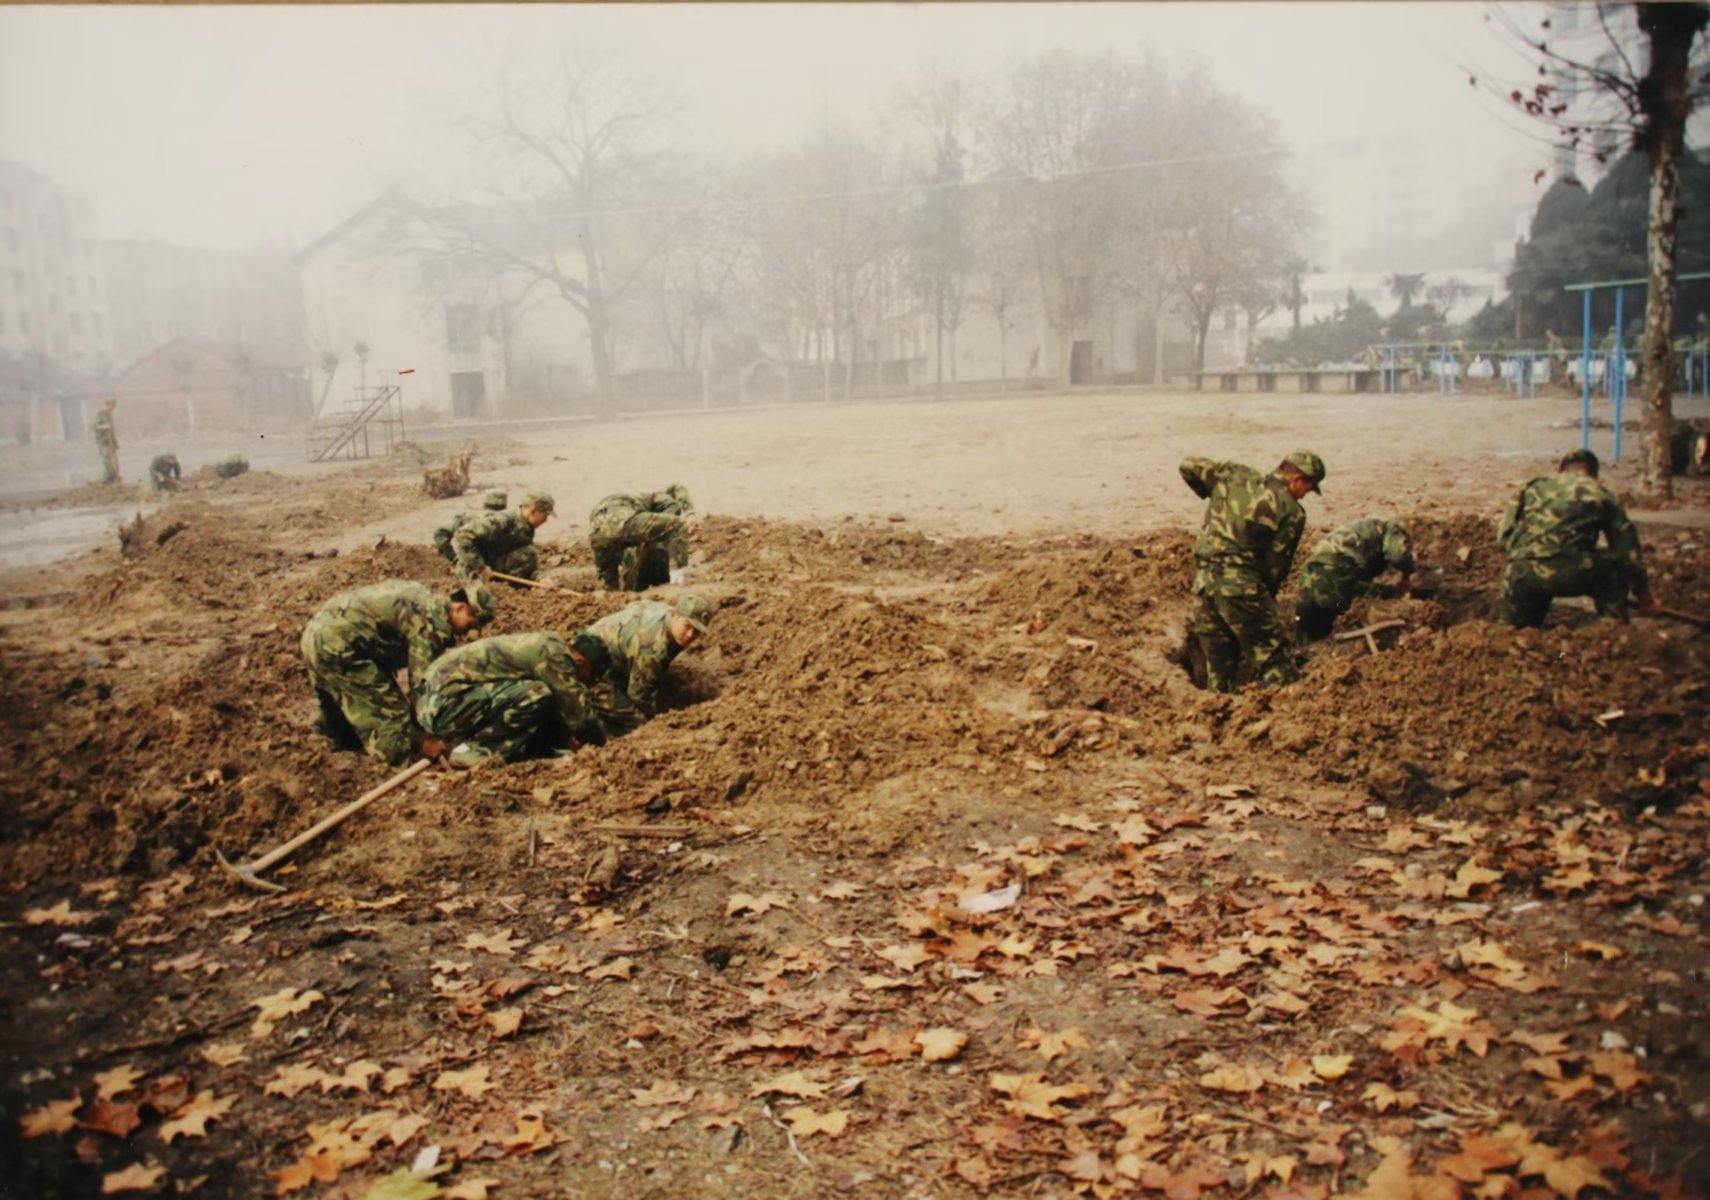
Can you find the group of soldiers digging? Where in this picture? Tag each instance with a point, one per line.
(164, 472)
(391, 675)
(1253, 524)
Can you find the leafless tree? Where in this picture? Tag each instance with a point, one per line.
(1625, 86)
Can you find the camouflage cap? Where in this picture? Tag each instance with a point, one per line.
(680, 497)
(1580, 458)
(591, 647)
(698, 611)
(540, 502)
(495, 500)
(1308, 464)
(478, 598)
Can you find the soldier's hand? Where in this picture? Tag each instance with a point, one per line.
(485, 575)
(432, 747)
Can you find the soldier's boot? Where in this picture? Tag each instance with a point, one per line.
(607, 559)
(1312, 623)
(1610, 588)
(655, 568)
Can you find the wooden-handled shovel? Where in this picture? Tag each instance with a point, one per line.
(249, 873)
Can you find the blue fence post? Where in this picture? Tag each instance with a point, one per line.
(1620, 367)
(1585, 378)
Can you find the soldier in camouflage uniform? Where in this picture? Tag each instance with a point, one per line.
(520, 695)
(107, 441)
(1549, 532)
(491, 502)
(644, 638)
(638, 539)
(502, 541)
(1340, 568)
(361, 639)
(1245, 548)
(165, 473)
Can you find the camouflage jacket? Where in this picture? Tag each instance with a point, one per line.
(1362, 550)
(486, 536)
(639, 639)
(509, 658)
(1560, 516)
(640, 502)
(1252, 527)
(102, 428)
(397, 624)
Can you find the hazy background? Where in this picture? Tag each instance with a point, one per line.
(219, 126)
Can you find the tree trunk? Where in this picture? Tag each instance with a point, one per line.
(1201, 328)
(1667, 102)
(599, 324)
(1003, 355)
(1065, 353)
(939, 324)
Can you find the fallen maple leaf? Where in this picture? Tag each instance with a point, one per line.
(1480, 1155)
(1204, 1002)
(355, 1078)
(114, 1117)
(939, 1044)
(503, 944)
(1393, 1179)
(1031, 1096)
(618, 968)
(472, 1083)
(1331, 1066)
(791, 1083)
(288, 1081)
(469, 1189)
(134, 1178)
(842, 890)
(192, 1120)
(1050, 1045)
(403, 1184)
(311, 1168)
(741, 902)
(54, 1117)
(287, 1002)
(60, 914)
(116, 1082)
(224, 1054)
(661, 1094)
(504, 1021)
(1469, 877)
(1603, 950)
(531, 1134)
(804, 1121)
(1233, 1078)
(1382, 1098)
(906, 957)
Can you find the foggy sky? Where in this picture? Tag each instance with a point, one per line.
(221, 126)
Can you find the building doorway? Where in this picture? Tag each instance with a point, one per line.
(468, 393)
(1081, 363)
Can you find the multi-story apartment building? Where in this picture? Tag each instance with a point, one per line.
(53, 288)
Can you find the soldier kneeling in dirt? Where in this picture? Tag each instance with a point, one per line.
(361, 639)
(519, 695)
(491, 502)
(502, 541)
(639, 539)
(643, 639)
(165, 473)
(1341, 568)
(1549, 532)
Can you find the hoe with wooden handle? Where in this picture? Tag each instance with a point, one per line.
(249, 873)
(519, 580)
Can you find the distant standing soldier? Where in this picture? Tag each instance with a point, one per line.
(165, 473)
(502, 541)
(1343, 565)
(1549, 532)
(515, 696)
(107, 441)
(1245, 549)
(491, 502)
(644, 638)
(359, 641)
(638, 539)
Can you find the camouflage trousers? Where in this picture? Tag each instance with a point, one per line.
(636, 551)
(109, 463)
(1230, 628)
(523, 562)
(1529, 584)
(359, 696)
(512, 718)
(1325, 594)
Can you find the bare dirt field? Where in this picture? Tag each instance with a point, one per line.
(938, 878)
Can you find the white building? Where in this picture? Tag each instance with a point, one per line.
(53, 288)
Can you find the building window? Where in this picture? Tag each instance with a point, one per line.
(462, 327)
